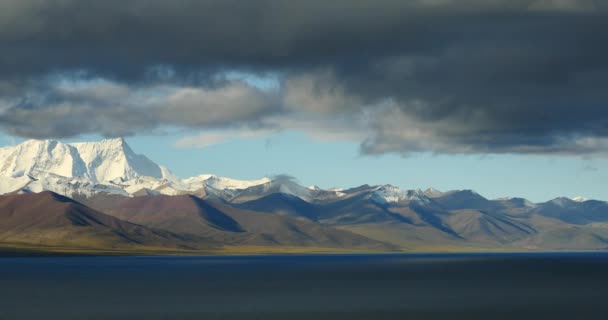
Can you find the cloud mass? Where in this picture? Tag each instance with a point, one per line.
(443, 76)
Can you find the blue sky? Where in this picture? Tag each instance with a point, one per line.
(339, 164)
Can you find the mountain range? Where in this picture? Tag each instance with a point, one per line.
(96, 196)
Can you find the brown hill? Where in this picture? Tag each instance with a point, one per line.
(282, 204)
(264, 228)
(180, 214)
(190, 215)
(47, 218)
(487, 227)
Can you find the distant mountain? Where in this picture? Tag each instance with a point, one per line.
(282, 204)
(226, 224)
(281, 230)
(574, 212)
(362, 206)
(462, 199)
(283, 186)
(480, 226)
(513, 203)
(137, 202)
(220, 183)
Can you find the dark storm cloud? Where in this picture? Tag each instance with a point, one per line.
(431, 75)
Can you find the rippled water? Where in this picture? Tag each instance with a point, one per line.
(458, 286)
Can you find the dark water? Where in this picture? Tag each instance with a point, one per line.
(509, 286)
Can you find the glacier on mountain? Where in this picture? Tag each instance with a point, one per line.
(86, 168)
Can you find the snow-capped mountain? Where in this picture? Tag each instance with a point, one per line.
(111, 178)
(112, 167)
(284, 186)
(87, 168)
(387, 194)
(98, 162)
(113, 159)
(220, 183)
(35, 158)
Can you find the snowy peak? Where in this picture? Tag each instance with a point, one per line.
(387, 194)
(112, 159)
(390, 194)
(284, 186)
(108, 166)
(80, 168)
(290, 187)
(38, 158)
(98, 162)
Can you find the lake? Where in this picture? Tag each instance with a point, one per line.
(391, 286)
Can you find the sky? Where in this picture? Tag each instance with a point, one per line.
(503, 97)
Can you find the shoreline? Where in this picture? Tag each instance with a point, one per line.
(8, 251)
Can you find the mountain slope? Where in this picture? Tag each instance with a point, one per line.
(574, 212)
(284, 186)
(232, 226)
(47, 218)
(270, 229)
(486, 227)
(180, 214)
(462, 199)
(282, 204)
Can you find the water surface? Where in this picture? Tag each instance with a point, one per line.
(450, 286)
